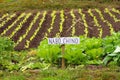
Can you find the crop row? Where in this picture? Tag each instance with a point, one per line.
(24, 28)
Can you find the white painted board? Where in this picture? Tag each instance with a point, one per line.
(64, 40)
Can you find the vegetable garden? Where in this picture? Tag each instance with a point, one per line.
(27, 29)
(98, 30)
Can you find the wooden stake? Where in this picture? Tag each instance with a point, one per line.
(63, 52)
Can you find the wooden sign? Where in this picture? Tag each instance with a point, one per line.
(64, 40)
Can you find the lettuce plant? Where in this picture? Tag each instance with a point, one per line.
(113, 57)
(75, 55)
(48, 53)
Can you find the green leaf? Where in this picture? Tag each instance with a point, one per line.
(106, 60)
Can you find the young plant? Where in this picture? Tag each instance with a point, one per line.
(61, 23)
(85, 22)
(62, 20)
(73, 22)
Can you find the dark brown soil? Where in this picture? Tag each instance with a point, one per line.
(93, 31)
(36, 41)
(8, 23)
(106, 30)
(23, 29)
(13, 28)
(31, 32)
(111, 20)
(116, 14)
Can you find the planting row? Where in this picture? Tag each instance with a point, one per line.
(27, 29)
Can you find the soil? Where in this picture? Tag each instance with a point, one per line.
(67, 25)
(23, 29)
(31, 32)
(112, 21)
(36, 41)
(14, 27)
(1, 20)
(93, 31)
(79, 27)
(116, 14)
(8, 23)
(105, 28)
(55, 26)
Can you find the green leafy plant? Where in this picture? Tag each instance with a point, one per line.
(89, 51)
(95, 53)
(49, 53)
(33, 63)
(93, 50)
(74, 55)
(6, 48)
(113, 57)
(111, 49)
(6, 44)
(109, 43)
(92, 43)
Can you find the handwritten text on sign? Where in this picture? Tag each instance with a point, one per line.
(64, 40)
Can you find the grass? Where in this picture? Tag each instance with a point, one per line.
(25, 5)
(78, 73)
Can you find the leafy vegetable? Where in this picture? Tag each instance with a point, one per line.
(115, 56)
(49, 53)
